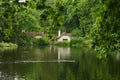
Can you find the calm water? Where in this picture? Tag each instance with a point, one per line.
(57, 63)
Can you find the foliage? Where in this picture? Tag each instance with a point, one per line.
(29, 41)
(76, 33)
(40, 42)
(76, 41)
(25, 40)
(105, 32)
(80, 41)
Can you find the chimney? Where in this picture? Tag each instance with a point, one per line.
(59, 33)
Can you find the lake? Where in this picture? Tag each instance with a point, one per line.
(57, 63)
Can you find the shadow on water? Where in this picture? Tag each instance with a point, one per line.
(53, 63)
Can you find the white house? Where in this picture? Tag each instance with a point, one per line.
(62, 37)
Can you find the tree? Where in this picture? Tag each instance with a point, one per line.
(107, 29)
(16, 17)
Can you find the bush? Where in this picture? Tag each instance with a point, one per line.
(80, 41)
(28, 41)
(24, 40)
(43, 41)
(40, 42)
(77, 41)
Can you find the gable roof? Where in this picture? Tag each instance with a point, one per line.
(65, 34)
(33, 34)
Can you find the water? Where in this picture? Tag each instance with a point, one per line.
(57, 63)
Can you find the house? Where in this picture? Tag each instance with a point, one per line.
(36, 35)
(62, 37)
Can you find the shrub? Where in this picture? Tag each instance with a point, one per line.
(40, 42)
(77, 41)
(28, 41)
(80, 41)
(24, 40)
(43, 41)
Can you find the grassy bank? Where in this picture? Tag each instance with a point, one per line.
(63, 44)
(5, 45)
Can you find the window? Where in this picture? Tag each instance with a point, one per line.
(65, 39)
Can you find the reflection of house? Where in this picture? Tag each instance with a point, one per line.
(34, 34)
(63, 53)
(62, 37)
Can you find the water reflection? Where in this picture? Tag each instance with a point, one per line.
(85, 67)
(63, 53)
(4, 76)
(118, 56)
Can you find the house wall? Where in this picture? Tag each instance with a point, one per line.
(67, 38)
(37, 37)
